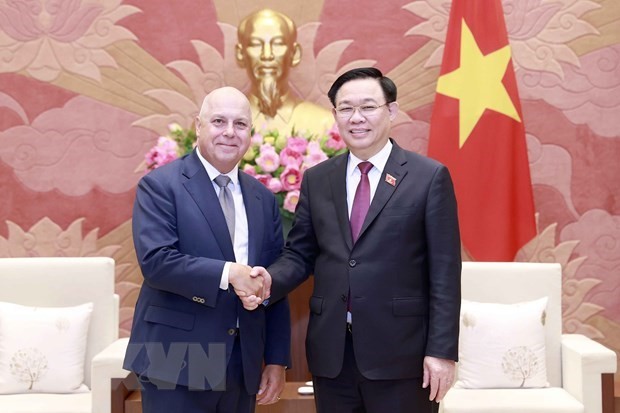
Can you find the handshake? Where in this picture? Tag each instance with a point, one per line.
(252, 285)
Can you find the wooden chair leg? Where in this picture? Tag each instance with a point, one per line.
(607, 384)
(121, 389)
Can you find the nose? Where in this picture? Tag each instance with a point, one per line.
(229, 130)
(356, 116)
(267, 52)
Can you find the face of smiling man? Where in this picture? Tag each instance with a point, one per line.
(363, 117)
(223, 128)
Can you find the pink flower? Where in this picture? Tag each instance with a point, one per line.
(289, 157)
(335, 141)
(164, 152)
(291, 200)
(264, 179)
(268, 159)
(175, 127)
(296, 144)
(274, 185)
(290, 178)
(315, 154)
(257, 139)
(249, 169)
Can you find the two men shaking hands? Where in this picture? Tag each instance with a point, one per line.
(252, 285)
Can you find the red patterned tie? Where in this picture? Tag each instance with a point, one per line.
(361, 202)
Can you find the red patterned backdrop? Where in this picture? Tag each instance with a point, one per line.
(88, 86)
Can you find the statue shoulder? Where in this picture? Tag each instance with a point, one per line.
(313, 108)
(312, 118)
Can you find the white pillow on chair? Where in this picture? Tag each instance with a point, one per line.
(42, 349)
(502, 345)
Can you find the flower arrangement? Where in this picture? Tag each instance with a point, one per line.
(277, 160)
(177, 143)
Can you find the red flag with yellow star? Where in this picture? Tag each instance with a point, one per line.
(477, 132)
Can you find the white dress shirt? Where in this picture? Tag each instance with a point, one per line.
(354, 175)
(240, 246)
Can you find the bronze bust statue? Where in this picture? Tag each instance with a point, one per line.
(267, 49)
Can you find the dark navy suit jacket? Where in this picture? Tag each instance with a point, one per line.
(184, 323)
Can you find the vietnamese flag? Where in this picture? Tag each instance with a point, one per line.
(477, 132)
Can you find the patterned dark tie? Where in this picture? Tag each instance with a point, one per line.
(227, 204)
(361, 202)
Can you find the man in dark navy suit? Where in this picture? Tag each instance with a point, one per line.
(378, 228)
(198, 223)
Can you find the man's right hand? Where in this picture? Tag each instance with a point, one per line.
(262, 272)
(246, 285)
(251, 301)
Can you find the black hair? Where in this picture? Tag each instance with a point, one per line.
(388, 87)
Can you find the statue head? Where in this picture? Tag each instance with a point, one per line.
(267, 48)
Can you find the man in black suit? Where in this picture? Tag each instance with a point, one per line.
(378, 228)
(197, 223)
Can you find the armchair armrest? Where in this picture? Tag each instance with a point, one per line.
(583, 362)
(106, 365)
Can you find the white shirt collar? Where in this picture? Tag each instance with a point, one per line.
(214, 173)
(378, 160)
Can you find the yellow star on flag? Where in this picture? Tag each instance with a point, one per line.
(477, 84)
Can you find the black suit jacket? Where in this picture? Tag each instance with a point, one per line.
(403, 272)
(182, 244)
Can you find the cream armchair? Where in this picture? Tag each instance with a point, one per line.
(64, 282)
(574, 362)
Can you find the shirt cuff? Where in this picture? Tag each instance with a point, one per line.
(224, 279)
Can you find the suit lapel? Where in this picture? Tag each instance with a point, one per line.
(255, 214)
(338, 181)
(395, 167)
(200, 188)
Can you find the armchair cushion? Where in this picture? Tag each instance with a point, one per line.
(47, 403)
(43, 349)
(502, 345)
(548, 400)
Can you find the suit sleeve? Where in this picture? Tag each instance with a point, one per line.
(444, 251)
(297, 260)
(278, 317)
(156, 242)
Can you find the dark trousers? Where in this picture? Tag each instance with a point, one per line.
(350, 392)
(234, 399)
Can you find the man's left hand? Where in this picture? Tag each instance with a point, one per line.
(271, 384)
(439, 373)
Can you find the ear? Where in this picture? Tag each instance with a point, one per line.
(296, 54)
(393, 108)
(198, 125)
(239, 54)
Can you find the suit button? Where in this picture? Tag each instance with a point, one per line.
(232, 331)
(195, 298)
(343, 297)
(352, 263)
